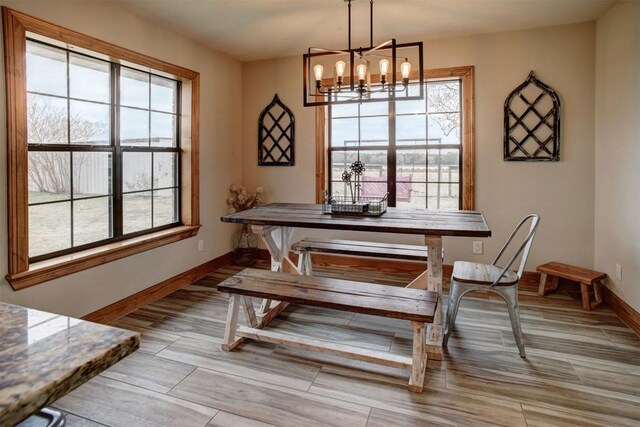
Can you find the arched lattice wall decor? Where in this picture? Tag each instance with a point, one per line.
(276, 131)
(532, 122)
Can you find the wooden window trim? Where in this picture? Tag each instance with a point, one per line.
(21, 273)
(466, 75)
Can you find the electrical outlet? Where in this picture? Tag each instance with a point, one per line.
(200, 245)
(477, 247)
(618, 272)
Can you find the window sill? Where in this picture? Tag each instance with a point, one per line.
(50, 269)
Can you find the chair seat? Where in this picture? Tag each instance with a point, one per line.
(481, 274)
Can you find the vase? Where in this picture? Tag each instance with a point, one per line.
(245, 249)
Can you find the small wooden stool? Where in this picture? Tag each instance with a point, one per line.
(551, 271)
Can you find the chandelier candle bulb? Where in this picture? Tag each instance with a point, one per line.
(340, 67)
(317, 70)
(362, 72)
(384, 68)
(405, 69)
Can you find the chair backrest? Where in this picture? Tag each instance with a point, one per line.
(524, 248)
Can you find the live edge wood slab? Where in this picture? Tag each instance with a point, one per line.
(43, 356)
(415, 305)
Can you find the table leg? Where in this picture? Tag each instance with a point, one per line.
(434, 284)
(278, 243)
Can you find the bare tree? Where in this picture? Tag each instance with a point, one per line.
(47, 124)
(142, 179)
(444, 98)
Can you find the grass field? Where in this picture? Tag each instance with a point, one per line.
(50, 225)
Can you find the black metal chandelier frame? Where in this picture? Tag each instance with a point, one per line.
(362, 90)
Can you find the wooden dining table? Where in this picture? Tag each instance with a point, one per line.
(275, 223)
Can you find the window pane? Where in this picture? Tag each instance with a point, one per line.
(340, 162)
(444, 165)
(411, 166)
(49, 228)
(91, 220)
(443, 96)
(374, 108)
(411, 130)
(444, 128)
(89, 78)
(411, 195)
(375, 176)
(164, 207)
(134, 88)
(46, 120)
(344, 110)
(374, 131)
(134, 127)
(374, 179)
(339, 188)
(89, 123)
(49, 176)
(344, 133)
(46, 69)
(411, 107)
(444, 196)
(136, 212)
(91, 174)
(136, 171)
(164, 170)
(164, 94)
(163, 130)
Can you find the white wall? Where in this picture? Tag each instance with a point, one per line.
(220, 165)
(562, 193)
(617, 197)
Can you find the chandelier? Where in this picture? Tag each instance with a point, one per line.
(363, 74)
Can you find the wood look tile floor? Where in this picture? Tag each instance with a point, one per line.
(583, 368)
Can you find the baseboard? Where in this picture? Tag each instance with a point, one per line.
(131, 303)
(529, 281)
(624, 311)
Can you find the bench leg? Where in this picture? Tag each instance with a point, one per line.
(419, 360)
(301, 262)
(597, 293)
(586, 299)
(265, 306)
(308, 266)
(230, 341)
(249, 312)
(547, 285)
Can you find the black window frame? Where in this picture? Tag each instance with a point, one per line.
(393, 147)
(115, 195)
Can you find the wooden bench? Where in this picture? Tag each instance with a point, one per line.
(306, 246)
(551, 271)
(415, 305)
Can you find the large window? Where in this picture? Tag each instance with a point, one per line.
(102, 151)
(419, 152)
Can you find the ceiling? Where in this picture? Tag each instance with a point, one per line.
(259, 29)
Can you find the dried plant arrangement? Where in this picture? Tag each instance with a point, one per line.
(239, 198)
